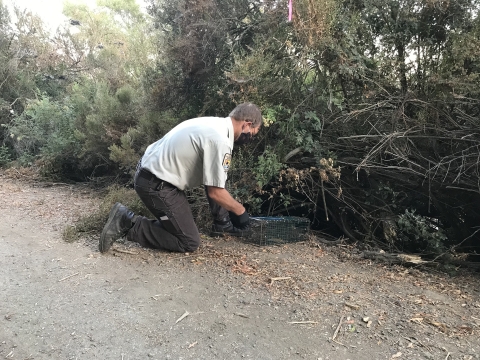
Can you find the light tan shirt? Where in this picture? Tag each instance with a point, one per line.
(195, 152)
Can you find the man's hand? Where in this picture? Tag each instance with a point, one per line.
(241, 222)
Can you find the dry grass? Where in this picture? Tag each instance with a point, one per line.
(94, 221)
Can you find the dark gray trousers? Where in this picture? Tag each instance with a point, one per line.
(174, 228)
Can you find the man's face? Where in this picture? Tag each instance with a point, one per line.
(248, 132)
(253, 131)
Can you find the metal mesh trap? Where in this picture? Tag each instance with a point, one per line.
(278, 230)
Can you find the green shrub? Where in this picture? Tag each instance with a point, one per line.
(5, 155)
(45, 130)
(133, 143)
(125, 95)
(267, 168)
(419, 233)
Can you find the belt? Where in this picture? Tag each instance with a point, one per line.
(158, 183)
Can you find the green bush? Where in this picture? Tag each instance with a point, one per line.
(5, 156)
(151, 127)
(45, 131)
(418, 233)
(267, 168)
(125, 95)
(104, 119)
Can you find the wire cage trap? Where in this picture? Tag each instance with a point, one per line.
(278, 230)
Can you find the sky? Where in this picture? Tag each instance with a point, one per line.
(50, 11)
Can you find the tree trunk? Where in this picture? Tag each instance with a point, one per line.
(402, 67)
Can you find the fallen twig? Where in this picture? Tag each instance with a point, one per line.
(413, 340)
(339, 343)
(338, 328)
(126, 252)
(68, 277)
(352, 306)
(185, 314)
(395, 258)
(241, 315)
(279, 278)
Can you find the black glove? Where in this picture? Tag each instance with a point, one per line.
(241, 222)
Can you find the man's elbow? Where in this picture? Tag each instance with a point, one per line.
(215, 193)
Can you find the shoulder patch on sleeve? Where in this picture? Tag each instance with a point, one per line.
(227, 159)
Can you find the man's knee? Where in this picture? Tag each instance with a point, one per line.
(192, 245)
(191, 248)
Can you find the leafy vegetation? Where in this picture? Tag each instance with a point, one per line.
(371, 107)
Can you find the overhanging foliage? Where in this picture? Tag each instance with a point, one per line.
(371, 107)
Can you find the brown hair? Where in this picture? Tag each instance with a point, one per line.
(247, 112)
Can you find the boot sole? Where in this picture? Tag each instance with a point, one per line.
(102, 245)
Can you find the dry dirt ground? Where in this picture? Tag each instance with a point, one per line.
(229, 300)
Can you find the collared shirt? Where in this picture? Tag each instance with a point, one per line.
(195, 152)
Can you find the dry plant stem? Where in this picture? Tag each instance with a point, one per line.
(68, 277)
(339, 343)
(429, 189)
(464, 189)
(185, 314)
(338, 328)
(279, 278)
(324, 201)
(126, 252)
(352, 306)
(292, 154)
(241, 315)
(412, 339)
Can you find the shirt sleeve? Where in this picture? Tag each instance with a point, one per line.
(217, 157)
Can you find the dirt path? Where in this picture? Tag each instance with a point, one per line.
(67, 301)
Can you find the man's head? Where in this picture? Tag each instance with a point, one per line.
(247, 121)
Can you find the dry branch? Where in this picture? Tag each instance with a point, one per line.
(394, 258)
(338, 328)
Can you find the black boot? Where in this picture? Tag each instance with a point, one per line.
(120, 220)
(224, 228)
